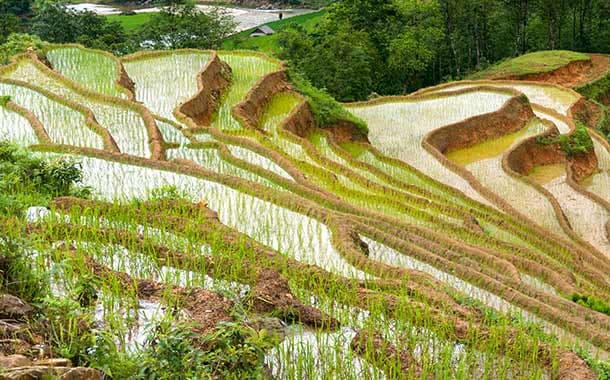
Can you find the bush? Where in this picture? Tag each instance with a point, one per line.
(17, 276)
(579, 142)
(26, 180)
(326, 110)
(17, 43)
(591, 303)
(230, 352)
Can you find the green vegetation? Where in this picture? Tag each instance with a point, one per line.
(270, 44)
(266, 246)
(597, 90)
(578, 142)
(131, 23)
(29, 180)
(592, 303)
(184, 26)
(326, 110)
(231, 352)
(18, 43)
(532, 63)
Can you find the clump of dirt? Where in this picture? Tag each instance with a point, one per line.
(531, 153)
(125, 81)
(572, 367)
(253, 105)
(583, 165)
(513, 116)
(212, 81)
(273, 295)
(206, 308)
(383, 354)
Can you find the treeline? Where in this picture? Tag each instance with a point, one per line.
(362, 47)
(178, 25)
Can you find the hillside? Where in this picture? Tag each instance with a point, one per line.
(231, 232)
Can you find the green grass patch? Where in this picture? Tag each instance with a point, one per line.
(326, 110)
(597, 89)
(591, 303)
(532, 63)
(579, 142)
(269, 44)
(132, 22)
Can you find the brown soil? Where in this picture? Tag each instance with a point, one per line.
(273, 295)
(249, 110)
(384, 355)
(574, 74)
(125, 81)
(206, 308)
(583, 165)
(513, 116)
(572, 367)
(212, 81)
(530, 153)
(301, 122)
(586, 112)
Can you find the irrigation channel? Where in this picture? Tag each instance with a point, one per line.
(421, 250)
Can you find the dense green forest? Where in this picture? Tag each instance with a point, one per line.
(358, 47)
(390, 47)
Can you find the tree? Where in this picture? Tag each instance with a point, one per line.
(18, 43)
(55, 23)
(184, 26)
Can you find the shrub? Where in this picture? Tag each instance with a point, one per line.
(326, 110)
(591, 303)
(17, 276)
(579, 142)
(231, 352)
(27, 180)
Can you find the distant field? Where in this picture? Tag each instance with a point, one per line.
(131, 22)
(532, 63)
(269, 44)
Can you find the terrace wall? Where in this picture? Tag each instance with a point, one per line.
(212, 81)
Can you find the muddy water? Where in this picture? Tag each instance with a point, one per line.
(398, 128)
(587, 217)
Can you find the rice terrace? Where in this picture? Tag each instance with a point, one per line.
(458, 232)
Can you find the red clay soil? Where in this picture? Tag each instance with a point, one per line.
(513, 116)
(125, 81)
(249, 110)
(531, 153)
(574, 74)
(212, 81)
(301, 122)
(384, 355)
(272, 295)
(572, 367)
(586, 112)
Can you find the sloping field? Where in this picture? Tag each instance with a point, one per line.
(425, 250)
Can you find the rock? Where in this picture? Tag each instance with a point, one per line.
(9, 328)
(14, 346)
(40, 351)
(64, 373)
(13, 361)
(82, 373)
(58, 362)
(274, 326)
(13, 307)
